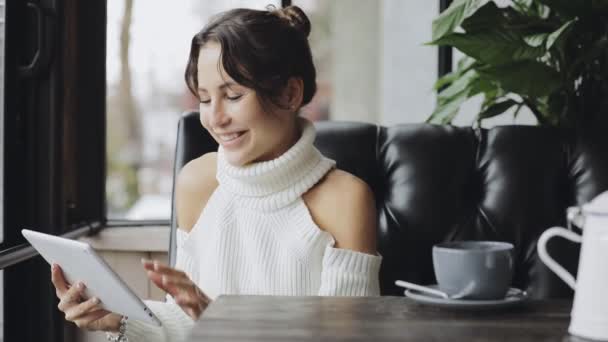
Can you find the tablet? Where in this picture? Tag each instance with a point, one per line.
(80, 262)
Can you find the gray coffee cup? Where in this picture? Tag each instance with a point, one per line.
(474, 269)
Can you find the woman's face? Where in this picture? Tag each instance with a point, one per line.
(234, 116)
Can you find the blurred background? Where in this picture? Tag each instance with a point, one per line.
(371, 58)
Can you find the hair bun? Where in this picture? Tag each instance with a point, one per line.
(296, 18)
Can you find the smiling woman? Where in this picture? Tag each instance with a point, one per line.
(251, 76)
(268, 194)
(237, 116)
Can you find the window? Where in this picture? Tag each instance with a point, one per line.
(147, 50)
(321, 43)
(371, 60)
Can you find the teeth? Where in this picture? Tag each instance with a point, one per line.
(229, 137)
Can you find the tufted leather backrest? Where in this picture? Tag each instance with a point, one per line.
(442, 183)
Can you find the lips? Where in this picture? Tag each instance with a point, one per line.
(230, 139)
(230, 136)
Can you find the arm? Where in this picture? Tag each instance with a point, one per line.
(176, 323)
(344, 206)
(195, 184)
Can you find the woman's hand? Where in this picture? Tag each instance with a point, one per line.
(177, 283)
(85, 313)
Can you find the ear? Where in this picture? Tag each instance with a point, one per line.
(293, 93)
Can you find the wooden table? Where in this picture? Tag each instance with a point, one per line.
(270, 318)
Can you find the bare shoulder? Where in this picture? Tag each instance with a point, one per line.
(344, 206)
(195, 184)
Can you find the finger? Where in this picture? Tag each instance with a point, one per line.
(185, 288)
(180, 282)
(90, 320)
(194, 295)
(157, 279)
(71, 297)
(196, 299)
(169, 284)
(156, 266)
(58, 280)
(76, 311)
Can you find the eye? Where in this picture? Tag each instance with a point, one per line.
(234, 98)
(205, 101)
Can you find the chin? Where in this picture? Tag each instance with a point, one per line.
(237, 158)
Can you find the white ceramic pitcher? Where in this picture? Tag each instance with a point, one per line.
(589, 318)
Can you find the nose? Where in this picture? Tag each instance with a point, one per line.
(216, 114)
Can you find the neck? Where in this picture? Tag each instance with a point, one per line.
(291, 138)
(275, 183)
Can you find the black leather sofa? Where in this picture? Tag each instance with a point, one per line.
(441, 183)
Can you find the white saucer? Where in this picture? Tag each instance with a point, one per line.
(514, 297)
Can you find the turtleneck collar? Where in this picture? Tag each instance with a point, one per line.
(273, 184)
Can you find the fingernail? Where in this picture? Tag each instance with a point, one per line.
(95, 300)
(54, 267)
(80, 286)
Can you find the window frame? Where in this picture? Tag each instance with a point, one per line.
(444, 62)
(54, 154)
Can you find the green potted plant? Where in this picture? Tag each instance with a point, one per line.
(548, 55)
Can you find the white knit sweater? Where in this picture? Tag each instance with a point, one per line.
(256, 236)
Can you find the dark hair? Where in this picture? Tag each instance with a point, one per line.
(261, 50)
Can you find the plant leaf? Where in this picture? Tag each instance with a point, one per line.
(531, 8)
(525, 78)
(445, 113)
(483, 85)
(517, 110)
(463, 83)
(496, 109)
(559, 34)
(445, 80)
(536, 40)
(453, 16)
(488, 16)
(491, 93)
(464, 65)
(524, 6)
(492, 46)
(450, 99)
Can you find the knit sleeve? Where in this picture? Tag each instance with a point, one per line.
(349, 273)
(176, 324)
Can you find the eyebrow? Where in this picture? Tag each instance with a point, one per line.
(222, 87)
